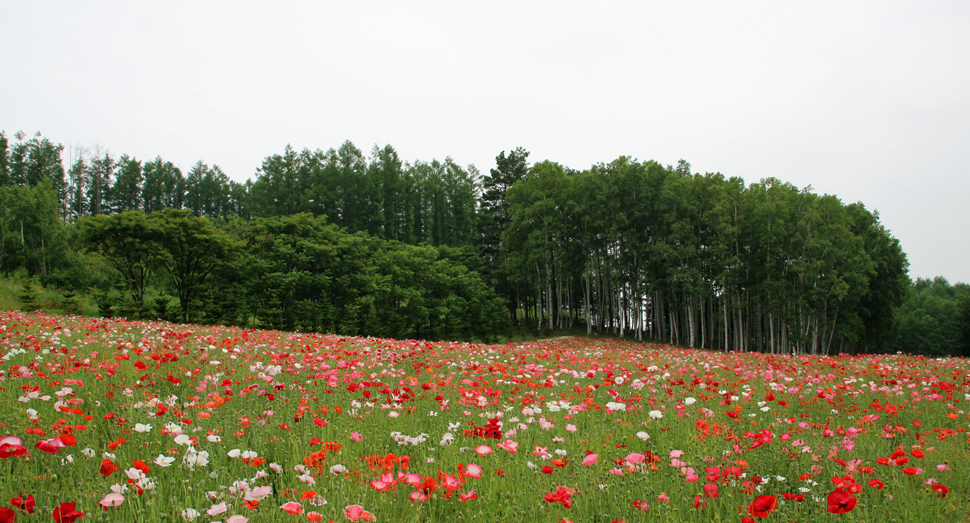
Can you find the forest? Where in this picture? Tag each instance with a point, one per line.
(341, 241)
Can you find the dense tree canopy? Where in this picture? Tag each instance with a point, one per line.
(372, 244)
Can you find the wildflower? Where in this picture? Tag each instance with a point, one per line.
(292, 507)
(710, 490)
(190, 513)
(840, 502)
(561, 496)
(357, 513)
(941, 490)
(762, 506)
(474, 471)
(635, 458)
(112, 500)
(108, 468)
(217, 509)
(66, 513)
(24, 503)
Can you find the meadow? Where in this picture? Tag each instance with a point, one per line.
(115, 420)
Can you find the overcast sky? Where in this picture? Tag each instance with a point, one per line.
(869, 101)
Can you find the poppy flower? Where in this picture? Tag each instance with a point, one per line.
(474, 471)
(357, 513)
(561, 496)
(710, 490)
(7, 515)
(26, 504)
(941, 489)
(762, 506)
(483, 450)
(635, 458)
(66, 513)
(840, 502)
(910, 471)
(509, 445)
(46, 446)
(11, 446)
(793, 497)
(469, 496)
(108, 468)
(292, 507)
(111, 500)
(698, 502)
(876, 484)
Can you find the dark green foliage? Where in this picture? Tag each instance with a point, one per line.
(130, 242)
(933, 318)
(429, 249)
(70, 303)
(32, 235)
(28, 295)
(963, 323)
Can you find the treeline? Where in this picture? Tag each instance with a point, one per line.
(630, 248)
(934, 319)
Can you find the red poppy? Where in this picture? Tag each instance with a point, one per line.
(918, 453)
(108, 468)
(66, 513)
(7, 515)
(561, 496)
(840, 502)
(142, 466)
(12, 449)
(910, 471)
(876, 484)
(794, 497)
(698, 503)
(26, 504)
(710, 490)
(762, 506)
(45, 446)
(547, 469)
(941, 489)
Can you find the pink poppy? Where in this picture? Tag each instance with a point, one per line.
(292, 507)
(510, 446)
(635, 458)
(112, 500)
(357, 513)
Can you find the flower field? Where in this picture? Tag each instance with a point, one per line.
(111, 420)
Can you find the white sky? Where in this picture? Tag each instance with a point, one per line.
(866, 100)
